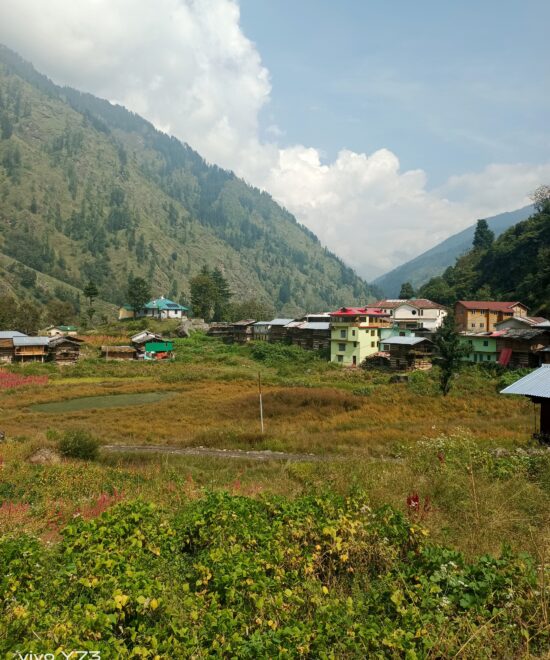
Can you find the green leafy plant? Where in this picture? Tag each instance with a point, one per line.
(78, 444)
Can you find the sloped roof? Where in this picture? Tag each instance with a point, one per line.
(490, 305)
(358, 311)
(118, 349)
(526, 320)
(54, 341)
(405, 341)
(165, 303)
(31, 341)
(244, 322)
(419, 303)
(527, 333)
(10, 334)
(316, 325)
(281, 321)
(537, 383)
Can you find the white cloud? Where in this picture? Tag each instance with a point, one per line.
(187, 66)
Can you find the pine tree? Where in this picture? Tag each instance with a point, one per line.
(451, 351)
(407, 291)
(483, 236)
(138, 293)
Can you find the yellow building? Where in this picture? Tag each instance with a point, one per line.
(355, 334)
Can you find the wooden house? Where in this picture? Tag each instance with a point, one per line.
(310, 335)
(260, 331)
(30, 349)
(521, 348)
(119, 352)
(483, 315)
(408, 353)
(243, 331)
(7, 350)
(64, 350)
(222, 331)
(536, 386)
(278, 331)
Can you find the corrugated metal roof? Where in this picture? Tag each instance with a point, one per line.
(10, 334)
(406, 341)
(31, 341)
(537, 383)
(316, 325)
(280, 321)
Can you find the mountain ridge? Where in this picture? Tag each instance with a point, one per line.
(90, 190)
(433, 262)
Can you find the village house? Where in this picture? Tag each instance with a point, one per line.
(260, 331)
(30, 349)
(278, 330)
(160, 308)
(141, 338)
(119, 352)
(483, 315)
(310, 335)
(243, 331)
(414, 314)
(61, 331)
(159, 349)
(7, 350)
(482, 346)
(64, 350)
(522, 348)
(355, 334)
(536, 386)
(520, 322)
(223, 331)
(408, 353)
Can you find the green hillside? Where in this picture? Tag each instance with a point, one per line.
(515, 267)
(91, 191)
(434, 261)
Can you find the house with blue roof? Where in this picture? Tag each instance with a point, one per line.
(160, 308)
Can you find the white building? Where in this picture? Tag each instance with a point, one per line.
(414, 314)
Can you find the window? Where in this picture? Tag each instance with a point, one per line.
(413, 312)
(473, 325)
(353, 333)
(386, 347)
(341, 347)
(340, 358)
(421, 312)
(486, 342)
(342, 334)
(372, 344)
(354, 344)
(372, 333)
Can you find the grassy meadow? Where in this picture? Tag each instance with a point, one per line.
(432, 459)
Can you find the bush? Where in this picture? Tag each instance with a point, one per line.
(79, 444)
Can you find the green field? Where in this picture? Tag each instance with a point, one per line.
(418, 529)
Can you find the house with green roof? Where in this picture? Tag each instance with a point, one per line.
(160, 308)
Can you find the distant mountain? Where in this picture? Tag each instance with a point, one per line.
(91, 191)
(516, 266)
(434, 261)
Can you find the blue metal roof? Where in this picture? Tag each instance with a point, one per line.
(10, 334)
(537, 383)
(281, 321)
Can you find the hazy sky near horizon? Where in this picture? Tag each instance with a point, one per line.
(385, 127)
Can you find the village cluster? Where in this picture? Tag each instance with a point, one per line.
(393, 333)
(399, 333)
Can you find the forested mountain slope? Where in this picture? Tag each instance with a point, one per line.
(434, 261)
(91, 191)
(515, 267)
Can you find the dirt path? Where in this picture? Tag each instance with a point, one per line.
(264, 455)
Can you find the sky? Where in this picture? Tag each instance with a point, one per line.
(384, 127)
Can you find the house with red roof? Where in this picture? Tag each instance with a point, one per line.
(483, 315)
(355, 334)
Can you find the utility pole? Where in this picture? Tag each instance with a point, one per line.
(261, 403)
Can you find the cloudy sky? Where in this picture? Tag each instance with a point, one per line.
(385, 127)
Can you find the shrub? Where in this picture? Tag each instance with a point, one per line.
(79, 444)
